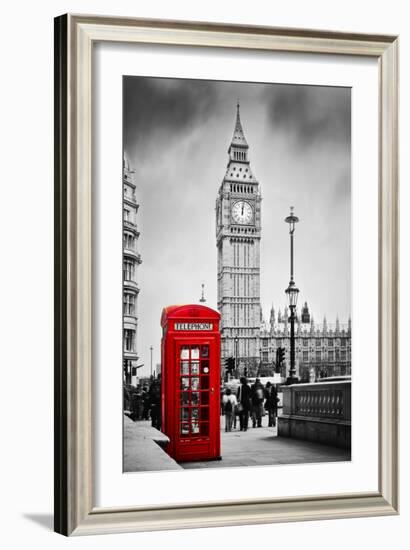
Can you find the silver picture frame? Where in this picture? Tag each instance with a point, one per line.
(75, 513)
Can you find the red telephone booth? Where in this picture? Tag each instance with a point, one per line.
(190, 387)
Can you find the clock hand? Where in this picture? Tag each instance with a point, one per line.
(243, 204)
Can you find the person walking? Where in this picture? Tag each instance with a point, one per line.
(146, 404)
(271, 403)
(243, 396)
(155, 404)
(257, 396)
(229, 403)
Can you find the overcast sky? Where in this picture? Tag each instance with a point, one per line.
(176, 136)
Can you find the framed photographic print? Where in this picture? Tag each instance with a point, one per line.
(226, 204)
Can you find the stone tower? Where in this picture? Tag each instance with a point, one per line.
(238, 234)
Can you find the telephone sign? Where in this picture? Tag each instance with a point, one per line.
(190, 387)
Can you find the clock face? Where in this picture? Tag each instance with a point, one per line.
(242, 212)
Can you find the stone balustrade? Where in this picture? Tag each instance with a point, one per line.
(319, 412)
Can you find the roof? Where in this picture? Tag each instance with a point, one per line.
(238, 137)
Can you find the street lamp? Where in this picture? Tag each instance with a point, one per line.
(151, 350)
(236, 355)
(292, 292)
(260, 362)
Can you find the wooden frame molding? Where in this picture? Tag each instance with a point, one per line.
(75, 36)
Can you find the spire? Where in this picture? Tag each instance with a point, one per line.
(324, 325)
(305, 314)
(238, 137)
(337, 324)
(202, 298)
(312, 325)
(272, 316)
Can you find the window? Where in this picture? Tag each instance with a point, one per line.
(265, 343)
(317, 343)
(331, 355)
(127, 215)
(129, 270)
(129, 340)
(318, 356)
(343, 355)
(129, 241)
(305, 356)
(305, 342)
(264, 356)
(330, 342)
(129, 304)
(343, 342)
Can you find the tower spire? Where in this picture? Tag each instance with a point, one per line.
(238, 142)
(202, 298)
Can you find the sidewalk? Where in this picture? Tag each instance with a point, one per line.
(142, 448)
(260, 447)
(255, 447)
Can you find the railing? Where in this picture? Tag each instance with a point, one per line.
(318, 412)
(320, 400)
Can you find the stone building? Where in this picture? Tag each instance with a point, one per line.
(238, 234)
(321, 349)
(131, 260)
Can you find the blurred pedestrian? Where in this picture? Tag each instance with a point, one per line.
(271, 403)
(229, 402)
(257, 396)
(243, 396)
(155, 404)
(145, 404)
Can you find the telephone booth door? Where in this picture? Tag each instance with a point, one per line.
(191, 388)
(196, 404)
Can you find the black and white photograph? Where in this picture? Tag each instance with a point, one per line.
(236, 274)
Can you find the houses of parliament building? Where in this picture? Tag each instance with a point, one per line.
(320, 349)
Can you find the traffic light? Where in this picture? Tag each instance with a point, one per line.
(230, 365)
(280, 358)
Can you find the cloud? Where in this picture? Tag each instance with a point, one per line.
(310, 114)
(163, 109)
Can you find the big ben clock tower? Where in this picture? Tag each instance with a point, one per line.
(238, 234)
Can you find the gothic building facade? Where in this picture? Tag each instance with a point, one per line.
(321, 349)
(238, 234)
(131, 260)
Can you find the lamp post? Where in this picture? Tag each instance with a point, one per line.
(236, 355)
(292, 292)
(260, 362)
(151, 350)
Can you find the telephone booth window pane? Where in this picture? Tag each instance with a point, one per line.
(205, 382)
(204, 428)
(185, 352)
(205, 367)
(195, 414)
(194, 383)
(184, 383)
(194, 428)
(195, 367)
(195, 398)
(205, 413)
(204, 398)
(195, 352)
(185, 367)
(184, 414)
(184, 398)
(204, 351)
(184, 429)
